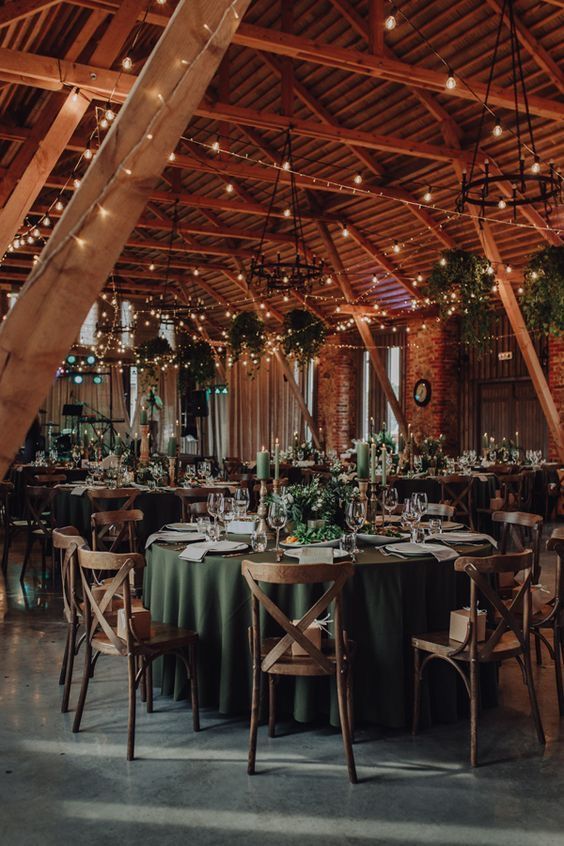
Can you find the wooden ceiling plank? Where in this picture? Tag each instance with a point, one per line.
(17, 10)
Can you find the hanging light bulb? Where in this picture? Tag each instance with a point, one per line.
(215, 146)
(287, 212)
(196, 272)
(229, 188)
(396, 247)
(428, 195)
(36, 232)
(345, 232)
(508, 268)
(76, 182)
(490, 270)
(374, 279)
(286, 165)
(172, 156)
(104, 123)
(536, 166)
(127, 63)
(501, 203)
(59, 206)
(109, 114)
(240, 277)
(46, 221)
(497, 130)
(390, 22)
(88, 154)
(357, 179)
(450, 81)
(151, 266)
(419, 277)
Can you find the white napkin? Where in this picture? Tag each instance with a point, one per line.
(316, 555)
(465, 537)
(197, 551)
(174, 537)
(441, 553)
(242, 527)
(78, 490)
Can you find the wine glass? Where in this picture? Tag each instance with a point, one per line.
(242, 500)
(227, 511)
(355, 517)
(277, 517)
(390, 500)
(214, 504)
(409, 518)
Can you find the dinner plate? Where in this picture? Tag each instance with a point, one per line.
(408, 548)
(338, 554)
(378, 540)
(182, 527)
(228, 546)
(328, 543)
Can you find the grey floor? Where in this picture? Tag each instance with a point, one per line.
(56, 787)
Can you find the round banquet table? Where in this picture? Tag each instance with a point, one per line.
(483, 489)
(385, 603)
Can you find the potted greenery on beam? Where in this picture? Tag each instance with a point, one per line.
(543, 298)
(304, 335)
(246, 336)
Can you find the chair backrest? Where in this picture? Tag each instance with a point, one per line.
(110, 529)
(556, 543)
(99, 496)
(297, 574)
(198, 509)
(122, 565)
(231, 464)
(480, 570)
(456, 490)
(49, 479)
(526, 530)
(68, 540)
(190, 496)
(513, 491)
(38, 502)
(440, 509)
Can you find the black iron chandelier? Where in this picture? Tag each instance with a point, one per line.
(304, 269)
(526, 183)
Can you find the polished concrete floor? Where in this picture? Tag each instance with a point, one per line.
(60, 788)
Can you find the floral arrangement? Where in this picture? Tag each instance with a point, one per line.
(543, 298)
(461, 282)
(304, 335)
(304, 451)
(431, 452)
(155, 471)
(505, 452)
(246, 335)
(320, 499)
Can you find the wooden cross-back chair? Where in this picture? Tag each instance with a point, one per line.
(514, 491)
(273, 655)
(102, 636)
(39, 500)
(10, 525)
(440, 509)
(114, 531)
(68, 540)
(456, 490)
(509, 638)
(189, 496)
(231, 465)
(526, 531)
(99, 497)
(551, 616)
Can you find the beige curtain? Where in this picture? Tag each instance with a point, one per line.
(261, 410)
(120, 410)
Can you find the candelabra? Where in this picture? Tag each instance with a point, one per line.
(261, 510)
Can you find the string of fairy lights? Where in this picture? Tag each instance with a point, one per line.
(197, 311)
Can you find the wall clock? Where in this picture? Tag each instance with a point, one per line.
(422, 392)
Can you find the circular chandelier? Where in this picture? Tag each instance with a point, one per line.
(525, 183)
(301, 271)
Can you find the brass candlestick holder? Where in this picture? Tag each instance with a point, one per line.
(172, 470)
(362, 490)
(261, 510)
(276, 486)
(144, 452)
(373, 505)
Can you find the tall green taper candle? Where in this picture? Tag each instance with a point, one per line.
(384, 457)
(373, 462)
(362, 460)
(171, 451)
(143, 417)
(263, 464)
(276, 459)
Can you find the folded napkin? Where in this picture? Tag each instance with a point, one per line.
(174, 537)
(441, 553)
(316, 555)
(197, 551)
(242, 527)
(78, 490)
(465, 537)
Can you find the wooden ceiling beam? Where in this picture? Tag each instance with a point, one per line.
(382, 67)
(17, 10)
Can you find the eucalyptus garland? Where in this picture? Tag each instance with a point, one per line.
(246, 335)
(461, 283)
(304, 335)
(543, 299)
(195, 361)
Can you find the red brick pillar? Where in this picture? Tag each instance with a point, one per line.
(432, 354)
(556, 384)
(336, 394)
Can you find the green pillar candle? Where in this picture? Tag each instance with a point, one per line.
(276, 459)
(263, 464)
(372, 462)
(362, 460)
(384, 457)
(143, 420)
(171, 451)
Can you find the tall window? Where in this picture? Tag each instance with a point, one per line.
(126, 323)
(12, 299)
(394, 377)
(133, 390)
(309, 389)
(87, 336)
(167, 330)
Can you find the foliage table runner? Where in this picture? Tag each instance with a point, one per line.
(385, 602)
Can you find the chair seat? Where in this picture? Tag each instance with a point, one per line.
(441, 644)
(164, 638)
(301, 665)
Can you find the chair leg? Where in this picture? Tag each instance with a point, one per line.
(416, 690)
(533, 697)
(84, 687)
(474, 713)
(142, 680)
(28, 548)
(73, 629)
(345, 725)
(272, 681)
(255, 708)
(538, 649)
(149, 684)
(43, 561)
(558, 667)
(193, 657)
(131, 672)
(63, 672)
(350, 701)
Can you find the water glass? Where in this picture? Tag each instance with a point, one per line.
(214, 502)
(258, 541)
(241, 500)
(390, 500)
(204, 524)
(355, 517)
(227, 512)
(435, 527)
(347, 544)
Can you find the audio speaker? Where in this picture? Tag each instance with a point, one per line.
(197, 404)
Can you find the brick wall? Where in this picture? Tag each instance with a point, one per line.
(556, 384)
(432, 354)
(336, 395)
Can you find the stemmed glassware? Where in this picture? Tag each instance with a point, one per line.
(390, 500)
(227, 511)
(241, 500)
(420, 502)
(214, 505)
(277, 517)
(355, 517)
(409, 518)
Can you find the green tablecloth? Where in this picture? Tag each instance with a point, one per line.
(385, 602)
(158, 508)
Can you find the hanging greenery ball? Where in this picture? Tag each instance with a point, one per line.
(195, 361)
(304, 335)
(543, 298)
(461, 284)
(246, 335)
(150, 357)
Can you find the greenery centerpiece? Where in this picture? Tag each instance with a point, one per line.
(304, 335)
(461, 282)
(302, 451)
(543, 297)
(432, 454)
(246, 335)
(506, 452)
